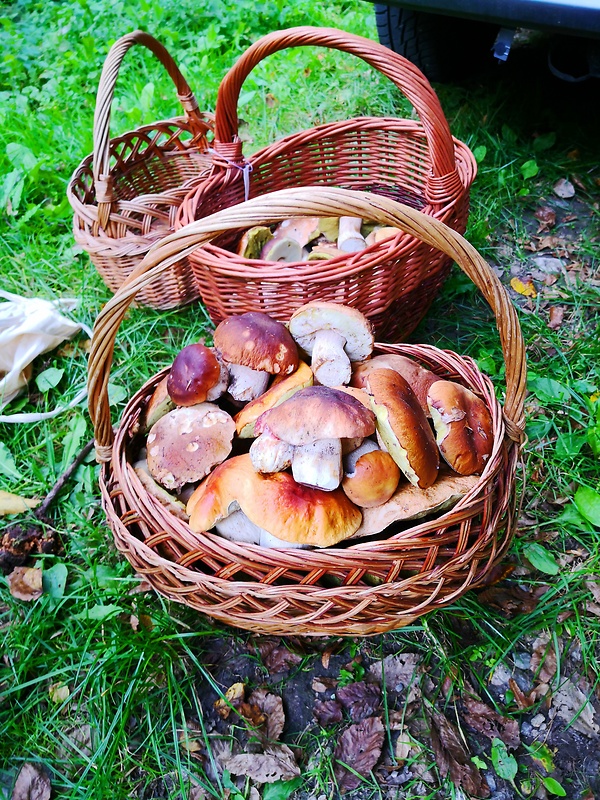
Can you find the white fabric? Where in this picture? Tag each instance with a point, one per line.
(28, 328)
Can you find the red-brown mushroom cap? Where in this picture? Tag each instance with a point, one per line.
(403, 427)
(463, 425)
(274, 502)
(419, 378)
(317, 412)
(195, 371)
(257, 341)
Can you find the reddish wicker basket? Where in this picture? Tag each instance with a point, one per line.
(363, 588)
(417, 163)
(126, 194)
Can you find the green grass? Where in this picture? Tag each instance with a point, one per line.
(139, 690)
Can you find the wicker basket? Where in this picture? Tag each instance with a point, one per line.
(416, 163)
(126, 194)
(364, 588)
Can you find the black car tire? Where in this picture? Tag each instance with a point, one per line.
(444, 48)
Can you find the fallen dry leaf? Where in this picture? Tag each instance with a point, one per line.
(32, 783)
(234, 697)
(327, 712)
(275, 656)
(321, 684)
(401, 672)
(453, 759)
(546, 217)
(571, 704)
(522, 700)
(485, 720)
(59, 692)
(270, 707)
(593, 584)
(543, 659)
(556, 317)
(277, 763)
(564, 189)
(360, 699)
(25, 583)
(15, 504)
(404, 745)
(512, 599)
(359, 747)
(526, 288)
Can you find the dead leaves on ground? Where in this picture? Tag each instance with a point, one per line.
(358, 751)
(33, 783)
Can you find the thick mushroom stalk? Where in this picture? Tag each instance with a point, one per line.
(270, 454)
(350, 239)
(319, 464)
(246, 384)
(330, 364)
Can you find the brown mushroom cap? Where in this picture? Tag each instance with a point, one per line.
(317, 412)
(463, 425)
(282, 388)
(257, 341)
(308, 320)
(185, 444)
(374, 479)
(275, 502)
(419, 378)
(403, 427)
(195, 371)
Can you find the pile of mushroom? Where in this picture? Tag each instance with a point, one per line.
(312, 239)
(297, 436)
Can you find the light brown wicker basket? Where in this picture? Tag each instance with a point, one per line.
(415, 162)
(125, 195)
(358, 589)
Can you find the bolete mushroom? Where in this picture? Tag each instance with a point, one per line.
(403, 427)
(314, 421)
(334, 335)
(253, 241)
(254, 347)
(158, 405)
(419, 378)
(273, 505)
(463, 426)
(283, 387)
(370, 475)
(350, 239)
(185, 444)
(197, 375)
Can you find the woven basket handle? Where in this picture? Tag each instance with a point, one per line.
(106, 90)
(318, 201)
(444, 180)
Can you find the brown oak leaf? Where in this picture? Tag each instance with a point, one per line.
(400, 672)
(453, 759)
(360, 699)
(277, 763)
(360, 748)
(485, 720)
(32, 783)
(275, 656)
(271, 707)
(327, 712)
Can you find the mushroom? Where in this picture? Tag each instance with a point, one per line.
(323, 252)
(402, 427)
(350, 239)
(283, 387)
(301, 229)
(379, 233)
(419, 378)
(370, 475)
(254, 347)
(253, 241)
(314, 421)
(409, 503)
(185, 444)
(274, 505)
(159, 404)
(463, 426)
(166, 499)
(197, 375)
(282, 248)
(334, 335)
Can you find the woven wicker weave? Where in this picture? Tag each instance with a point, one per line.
(417, 163)
(360, 589)
(125, 195)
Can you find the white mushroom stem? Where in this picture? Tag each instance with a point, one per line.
(319, 464)
(221, 387)
(329, 363)
(237, 527)
(245, 383)
(270, 454)
(350, 460)
(350, 239)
